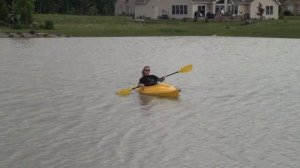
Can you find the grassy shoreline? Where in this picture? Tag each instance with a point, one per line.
(116, 26)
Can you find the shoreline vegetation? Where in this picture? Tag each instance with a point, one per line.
(120, 26)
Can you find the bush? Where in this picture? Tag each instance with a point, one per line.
(185, 19)
(2, 23)
(32, 32)
(17, 26)
(163, 17)
(93, 10)
(210, 15)
(147, 18)
(281, 17)
(49, 25)
(3, 11)
(287, 13)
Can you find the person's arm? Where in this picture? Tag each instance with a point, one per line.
(140, 84)
(161, 79)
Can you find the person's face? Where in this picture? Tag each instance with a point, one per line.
(147, 71)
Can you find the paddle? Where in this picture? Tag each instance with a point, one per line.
(184, 69)
(127, 91)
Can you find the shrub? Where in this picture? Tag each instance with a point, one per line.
(147, 18)
(210, 15)
(2, 23)
(287, 13)
(3, 11)
(281, 16)
(185, 19)
(32, 32)
(49, 25)
(94, 11)
(164, 17)
(17, 26)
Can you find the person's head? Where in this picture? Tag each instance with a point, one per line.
(146, 71)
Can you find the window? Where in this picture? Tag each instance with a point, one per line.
(269, 10)
(173, 9)
(219, 8)
(290, 8)
(179, 9)
(235, 9)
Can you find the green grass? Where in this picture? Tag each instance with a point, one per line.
(96, 26)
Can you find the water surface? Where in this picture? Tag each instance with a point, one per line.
(239, 107)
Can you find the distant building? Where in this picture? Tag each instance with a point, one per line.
(124, 7)
(291, 5)
(187, 8)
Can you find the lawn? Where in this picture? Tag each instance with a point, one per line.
(98, 26)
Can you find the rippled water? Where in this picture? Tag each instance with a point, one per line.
(239, 107)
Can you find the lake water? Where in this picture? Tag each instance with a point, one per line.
(239, 107)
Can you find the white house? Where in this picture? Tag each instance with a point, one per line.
(186, 8)
(124, 7)
(292, 6)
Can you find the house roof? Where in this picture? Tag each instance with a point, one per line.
(140, 2)
(250, 1)
(204, 1)
(242, 1)
(286, 1)
(282, 1)
(234, 1)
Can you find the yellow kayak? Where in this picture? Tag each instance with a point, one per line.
(162, 90)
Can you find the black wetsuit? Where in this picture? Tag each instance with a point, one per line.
(150, 80)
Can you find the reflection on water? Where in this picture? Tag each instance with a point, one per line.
(239, 107)
(145, 100)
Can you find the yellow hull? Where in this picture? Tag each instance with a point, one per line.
(161, 90)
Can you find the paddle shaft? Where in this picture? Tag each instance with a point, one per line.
(135, 88)
(172, 73)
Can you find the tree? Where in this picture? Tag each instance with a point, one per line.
(78, 7)
(23, 10)
(3, 11)
(260, 11)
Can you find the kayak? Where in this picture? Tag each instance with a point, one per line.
(161, 90)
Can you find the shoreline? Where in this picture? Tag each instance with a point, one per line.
(31, 35)
(119, 26)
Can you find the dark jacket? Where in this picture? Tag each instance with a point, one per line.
(150, 80)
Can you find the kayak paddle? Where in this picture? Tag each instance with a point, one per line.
(185, 69)
(125, 92)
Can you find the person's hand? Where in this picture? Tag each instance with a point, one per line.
(140, 85)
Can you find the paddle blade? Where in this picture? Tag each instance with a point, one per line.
(124, 92)
(186, 68)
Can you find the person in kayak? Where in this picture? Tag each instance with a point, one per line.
(147, 79)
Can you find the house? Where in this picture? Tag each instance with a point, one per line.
(124, 7)
(292, 6)
(186, 8)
